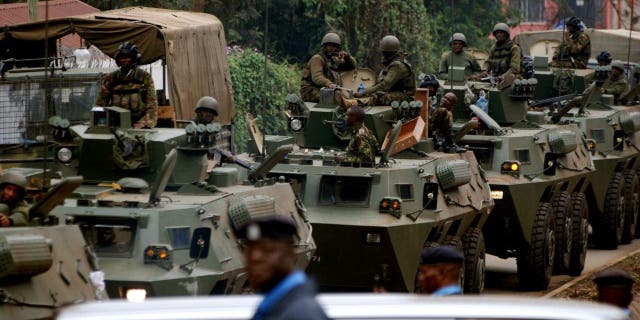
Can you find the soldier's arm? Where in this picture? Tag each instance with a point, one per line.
(514, 66)
(577, 45)
(19, 216)
(348, 63)
(316, 65)
(617, 88)
(105, 92)
(151, 117)
(475, 66)
(443, 70)
(397, 71)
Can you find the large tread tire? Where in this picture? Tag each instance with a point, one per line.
(580, 240)
(632, 198)
(563, 212)
(535, 261)
(474, 261)
(609, 230)
(637, 233)
(456, 242)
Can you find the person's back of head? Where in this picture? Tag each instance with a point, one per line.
(614, 287)
(440, 266)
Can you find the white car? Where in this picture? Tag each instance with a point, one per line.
(351, 306)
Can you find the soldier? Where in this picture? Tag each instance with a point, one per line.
(431, 83)
(323, 68)
(362, 147)
(576, 49)
(604, 58)
(130, 88)
(206, 110)
(633, 94)
(442, 120)
(439, 270)
(13, 209)
(616, 84)
(271, 267)
(396, 81)
(505, 57)
(614, 287)
(458, 57)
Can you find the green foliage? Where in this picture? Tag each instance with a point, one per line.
(250, 89)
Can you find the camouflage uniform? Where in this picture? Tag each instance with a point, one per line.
(322, 71)
(133, 91)
(396, 82)
(18, 213)
(362, 146)
(504, 59)
(577, 47)
(615, 86)
(462, 59)
(441, 123)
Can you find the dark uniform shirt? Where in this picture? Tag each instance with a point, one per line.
(615, 86)
(362, 146)
(396, 82)
(18, 212)
(504, 59)
(462, 59)
(322, 71)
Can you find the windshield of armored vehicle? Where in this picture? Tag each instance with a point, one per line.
(483, 152)
(353, 191)
(109, 237)
(22, 99)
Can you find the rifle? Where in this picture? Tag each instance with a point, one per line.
(217, 152)
(548, 101)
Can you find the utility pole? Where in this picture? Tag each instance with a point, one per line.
(33, 10)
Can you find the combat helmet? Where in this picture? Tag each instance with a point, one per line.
(128, 49)
(501, 26)
(573, 21)
(605, 56)
(458, 37)
(15, 179)
(389, 44)
(209, 103)
(617, 64)
(429, 80)
(331, 37)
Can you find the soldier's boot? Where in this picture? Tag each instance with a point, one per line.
(451, 147)
(344, 102)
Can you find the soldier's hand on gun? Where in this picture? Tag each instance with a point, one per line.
(332, 86)
(342, 54)
(4, 221)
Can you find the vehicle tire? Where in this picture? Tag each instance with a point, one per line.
(474, 261)
(609, 230)
(580, 228)
(535, 261)
(456, 242)
(563, 212)
(631, 197)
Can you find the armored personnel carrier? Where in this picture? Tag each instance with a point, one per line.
(372, 221)
(179, 242)
(43, 268)
(539, 177)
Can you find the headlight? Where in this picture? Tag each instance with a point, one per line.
(391, 205)
(295, 124)
(591, 145)
(136, 295)
(497, 194)
(373, 238)
(64, 155)
(162, 255)
(510, 167)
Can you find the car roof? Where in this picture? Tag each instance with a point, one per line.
(352, 306)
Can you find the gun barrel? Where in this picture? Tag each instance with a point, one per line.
(548, 101)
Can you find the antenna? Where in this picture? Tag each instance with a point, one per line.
(629, 39)
(48, 74)
(266, 51)
(451, 48)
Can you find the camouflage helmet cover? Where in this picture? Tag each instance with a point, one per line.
(389, 44)
(501, 26)
(207, 102)
(15, 179)
(618, 64)
(331, 37)
(130, 50)
(458, 37)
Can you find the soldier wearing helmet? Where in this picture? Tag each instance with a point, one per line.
(632, 96)
(505, 57)
(604, 58)
(130, 88)
(323, 69)
(616, 84)
(458, 57)
(206, 110)
(575, 51)
(396, 81)
(13, 209)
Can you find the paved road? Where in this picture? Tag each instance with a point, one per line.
(502, 273)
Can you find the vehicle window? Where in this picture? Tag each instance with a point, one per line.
(109, 237)
(342, 190)
(483, 152)
(597, 135)
(405, 191)
(297, 181)
(523, 156)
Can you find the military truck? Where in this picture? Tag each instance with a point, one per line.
(44, 268)
(178, 242)
(372, 221)
(539, 176)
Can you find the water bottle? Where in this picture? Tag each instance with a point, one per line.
(482, 102)
(361, 87)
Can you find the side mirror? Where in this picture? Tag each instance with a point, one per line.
(200, 242)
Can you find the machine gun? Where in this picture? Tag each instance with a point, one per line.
(218, 153)
(549, 101)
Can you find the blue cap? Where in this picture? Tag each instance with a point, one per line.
(441, 254)
(273, 227)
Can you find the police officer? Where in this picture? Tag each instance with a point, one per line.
(442, 120)
(458, 57)
(323, 68)
(362, 147)
(505, 57)
(130, 88)
(614, 287)
(396, 81)
(440, 269)
(576, 49)
(271, 267)
(13, 209)
(206, 110)
(616, 84)
(604, 58)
